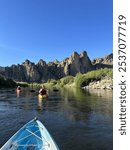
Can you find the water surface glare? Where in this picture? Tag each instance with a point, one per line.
(76, 119)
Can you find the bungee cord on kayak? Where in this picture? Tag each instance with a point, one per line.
(32, 135)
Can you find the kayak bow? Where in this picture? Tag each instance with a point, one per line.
(32, 135)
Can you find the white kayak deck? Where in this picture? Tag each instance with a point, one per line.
(32, 136)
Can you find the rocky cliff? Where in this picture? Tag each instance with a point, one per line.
(41, 72)
(104, 62)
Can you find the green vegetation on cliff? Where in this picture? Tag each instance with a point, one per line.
(22, 84)
(96, 75)
(81, 80)
(66, 80)
(6, 82)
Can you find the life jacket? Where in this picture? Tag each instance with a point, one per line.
(43, 92)
(19, 88)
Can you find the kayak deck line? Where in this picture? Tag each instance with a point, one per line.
(32, 135)
(26, 136)
(25, 145)
(31, 145)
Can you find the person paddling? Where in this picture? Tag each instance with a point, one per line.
(43, 91)
(18, 88)
(18, 91)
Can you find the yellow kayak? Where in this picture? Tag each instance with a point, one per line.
(42, 96)
(18, 91)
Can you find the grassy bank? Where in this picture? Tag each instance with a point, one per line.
(22, 84)
(82, 80)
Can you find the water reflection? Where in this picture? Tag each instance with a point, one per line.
(18, 93)
(82, 104)
(76, 118)
(40, 104)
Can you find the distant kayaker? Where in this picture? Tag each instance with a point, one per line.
(18, 88)
(18, 91)
(43, 91)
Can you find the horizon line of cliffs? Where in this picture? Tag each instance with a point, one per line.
(42, 71)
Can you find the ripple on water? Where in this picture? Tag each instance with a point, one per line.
(75, 118)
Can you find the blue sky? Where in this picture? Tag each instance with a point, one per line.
(53, 29)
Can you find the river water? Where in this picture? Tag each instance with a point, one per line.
(76, 119)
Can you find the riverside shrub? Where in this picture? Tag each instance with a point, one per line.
(95, 75)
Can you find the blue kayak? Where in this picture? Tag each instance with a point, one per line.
(32, 136)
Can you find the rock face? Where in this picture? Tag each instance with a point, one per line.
(102, 84)
(2, 69)
(105, 62)
(41, 72)
(76, 63)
